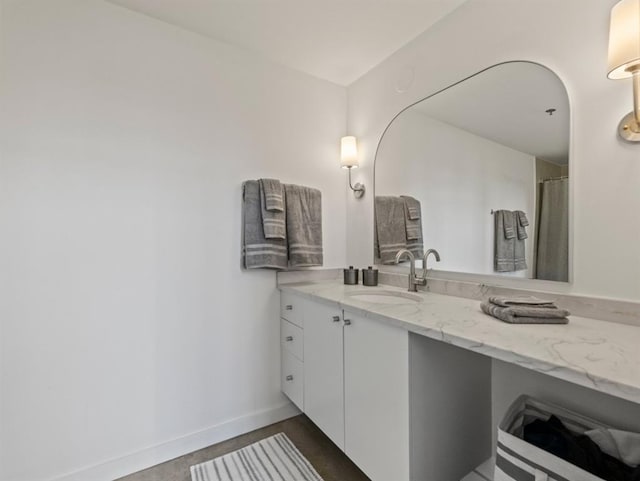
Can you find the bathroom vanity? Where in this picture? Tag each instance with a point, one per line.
(408, 385)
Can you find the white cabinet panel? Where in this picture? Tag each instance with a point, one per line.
(292, 308)
(292, 379)
(376, 380)
(291, 339)
(323, 388)
(450, 402)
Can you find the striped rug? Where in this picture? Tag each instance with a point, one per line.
(272, 459)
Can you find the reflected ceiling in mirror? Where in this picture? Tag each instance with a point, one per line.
(488, 160)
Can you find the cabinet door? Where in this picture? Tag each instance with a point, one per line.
(323, 370)
(376, 370)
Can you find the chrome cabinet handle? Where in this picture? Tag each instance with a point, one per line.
(289, 377)
(336, 318)
(288, 307)
(288, 338)
(347, 322)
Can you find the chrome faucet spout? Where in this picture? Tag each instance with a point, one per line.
(424, 261)
(414, 281)
(412, 260)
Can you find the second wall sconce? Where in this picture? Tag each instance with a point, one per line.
(349, 160)
(624, 60)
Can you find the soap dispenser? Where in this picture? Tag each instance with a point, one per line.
(350, 276)
(370, 276)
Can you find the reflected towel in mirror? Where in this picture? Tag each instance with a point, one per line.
(413, 225)
(390, 227)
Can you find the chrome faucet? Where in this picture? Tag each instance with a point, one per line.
(424, 262)
(414, 281)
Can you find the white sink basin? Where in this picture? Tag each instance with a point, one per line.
(386, 297)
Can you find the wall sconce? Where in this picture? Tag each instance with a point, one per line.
(624, 59)
(349, 160)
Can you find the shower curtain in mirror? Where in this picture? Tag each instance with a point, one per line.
(552, 244)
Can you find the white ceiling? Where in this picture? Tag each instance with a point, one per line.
(336, 40)
(507, 104)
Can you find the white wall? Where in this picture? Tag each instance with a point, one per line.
(458, 178)
(605, 172)
(126, 321)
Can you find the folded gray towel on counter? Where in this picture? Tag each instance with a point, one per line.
(273, 194)
(520, 301)
(273, 221)
(304, 225)
(258, 251)
(533, 311)
(521, 222)
(390, 227)
(525, 315)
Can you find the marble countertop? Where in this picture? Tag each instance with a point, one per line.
(600, 355)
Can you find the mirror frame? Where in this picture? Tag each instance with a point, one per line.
(489, 279)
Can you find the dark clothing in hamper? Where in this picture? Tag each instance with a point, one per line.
(578, 449)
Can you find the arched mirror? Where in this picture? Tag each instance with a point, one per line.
(487, 161)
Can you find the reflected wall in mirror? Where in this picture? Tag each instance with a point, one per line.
(488, 160)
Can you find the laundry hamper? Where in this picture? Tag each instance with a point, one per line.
(517, 460)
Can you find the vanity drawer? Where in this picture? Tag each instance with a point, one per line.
(291, 339)
(291, 308)
(292, 378)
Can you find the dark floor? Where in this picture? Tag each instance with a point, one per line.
(330, 462)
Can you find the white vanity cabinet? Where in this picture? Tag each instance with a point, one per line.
(324, 373)
(376, 397)
(292, 348)
(401, 406)
(356, 386)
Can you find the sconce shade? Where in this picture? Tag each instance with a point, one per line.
(348, 152)
(624, 39)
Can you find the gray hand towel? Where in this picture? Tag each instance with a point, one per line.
(304, 225)
(503, 301)
(507, 314)
(531, 311)
(257, 251)
(273, 194)
(273, 221)
(416, 247)
(509, 224)
(412, 207)
(412, 221)
(390, 227)
(504, 249)
(521, 223)
(413, 225)
(509, 251)
(519, 255)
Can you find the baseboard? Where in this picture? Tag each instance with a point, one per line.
(116, 468)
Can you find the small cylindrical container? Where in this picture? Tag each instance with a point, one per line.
(370, 276)
(350, 276)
